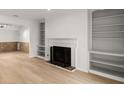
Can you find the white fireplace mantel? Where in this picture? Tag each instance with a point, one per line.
(64, 42)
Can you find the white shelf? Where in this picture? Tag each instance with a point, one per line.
(108, 25)
(114, 77)
(41, 51)
(41, 45)
(109, 16)
(107, 53)
(108, 32)
(107, 38)
(108, 63)
(110, 37)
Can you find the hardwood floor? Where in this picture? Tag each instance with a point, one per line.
(17, 67)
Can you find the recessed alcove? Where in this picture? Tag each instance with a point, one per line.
(107, 43)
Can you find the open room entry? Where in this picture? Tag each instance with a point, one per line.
(14, 38)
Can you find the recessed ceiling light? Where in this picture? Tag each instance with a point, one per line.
(3, 25)
(15, 15)
(48, 9)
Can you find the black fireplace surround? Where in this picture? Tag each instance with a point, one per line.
(60, 56)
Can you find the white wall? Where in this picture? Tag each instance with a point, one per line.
(9, 33)
(34, 34)
(32, 26)
(24, 35)
(8, 36)
(72, 24)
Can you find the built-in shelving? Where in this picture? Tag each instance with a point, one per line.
(107, 46)
(41, 46)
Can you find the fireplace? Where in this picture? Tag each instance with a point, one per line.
(60, 56)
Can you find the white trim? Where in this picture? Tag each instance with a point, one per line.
(83, 70)
(107, 53)
(44, 58)
(108, 32)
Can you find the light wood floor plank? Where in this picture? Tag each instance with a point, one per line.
(17, 67)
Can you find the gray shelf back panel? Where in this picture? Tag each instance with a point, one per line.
(108, 28)
(108, 21)
(109, 35)
(41, 48)
(42, 34)
(108, 45)
(42, 42)
(41, 54)
(107, 12)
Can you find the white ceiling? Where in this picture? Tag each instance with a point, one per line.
(34, 14)
(25, 13)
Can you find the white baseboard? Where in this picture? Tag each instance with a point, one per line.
(83, 70)
(44, 58)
